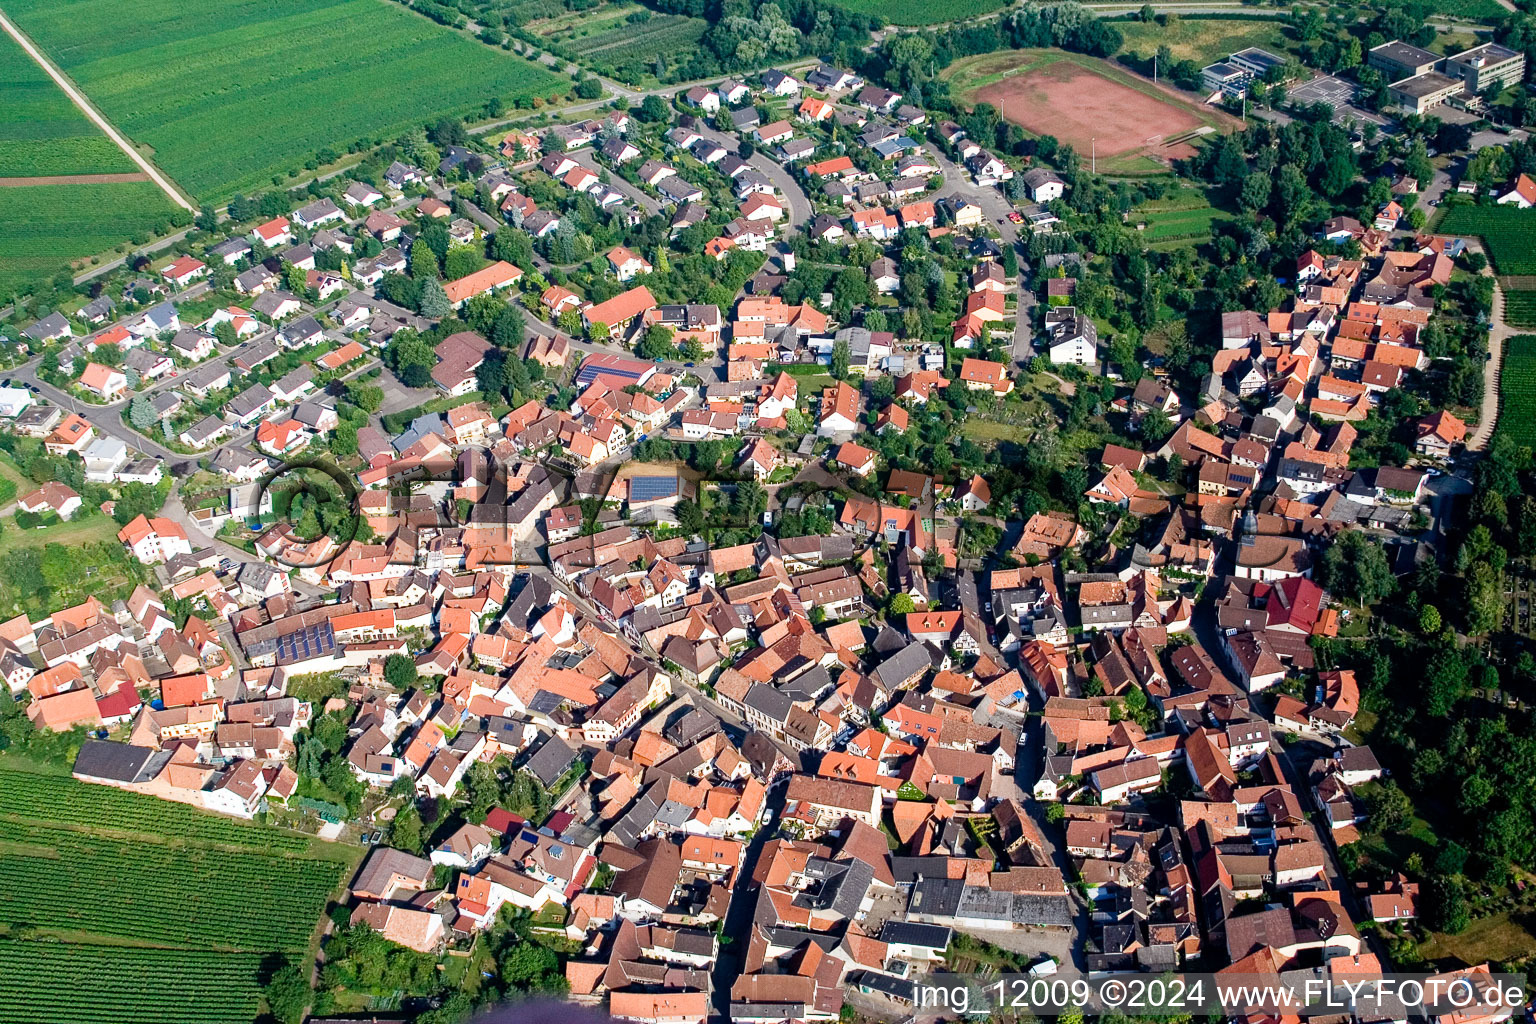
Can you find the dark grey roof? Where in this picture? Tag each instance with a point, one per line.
(906, 663)
(913, 934)
(550, 761)
(119, 762)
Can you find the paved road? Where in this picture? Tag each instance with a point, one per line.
(588, 159)
(799, 203)
(95, 116)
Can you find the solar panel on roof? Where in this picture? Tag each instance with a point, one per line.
(652, 488)
(545, 702)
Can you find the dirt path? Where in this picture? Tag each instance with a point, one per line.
(73, 179)
(1488, 414)
(91, 112)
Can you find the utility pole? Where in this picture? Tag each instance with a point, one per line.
(1154, 69)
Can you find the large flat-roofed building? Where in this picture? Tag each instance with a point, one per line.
(1424, 92)
(1255, 61)
(1234, 75)
(1486, 66)
(1397, 60)
(1225, 77)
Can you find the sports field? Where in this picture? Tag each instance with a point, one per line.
(41, 132)
(116, 906)
(228, 95)
(1134, 126)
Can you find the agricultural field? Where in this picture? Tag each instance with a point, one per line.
(921, 12)
(47, 981)
(1135, 126)
(227, 96)
(1470, 10)
(1520, 307)
(1183, 217)
(41, 131)
(1204, 40)
(125, 904)
(1508, 234)
(622, 39)
(48, 227)
(1517, 386)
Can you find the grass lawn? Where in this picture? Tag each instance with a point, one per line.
(41, 131)
(49, 227)
(1502, 936)
(226, 96)
(75, 533)
(1204, 40)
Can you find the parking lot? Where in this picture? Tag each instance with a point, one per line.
(1324, 89)
(1339, 94)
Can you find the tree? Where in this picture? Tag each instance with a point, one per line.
(1389, 807)
(287, 993)
(1356, 567)
(1446, 905)
(367, 397)
(901, 604)
(461, 261)
(842, 355)
(657, 343)
(434, 300)
(344, 441)
(423, 262)
(1254, 195)
(400, 671)
(405, 831)
(654, 109)
(690, 517)
(1429, 620)
(510, 329)
(141, 413)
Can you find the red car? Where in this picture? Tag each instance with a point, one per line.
(1016, 216)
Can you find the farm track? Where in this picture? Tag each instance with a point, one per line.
(79, 100)
(74, 179)
(1488, 413)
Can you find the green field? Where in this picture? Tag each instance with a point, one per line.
(1204, 40)
(1520, 308)
(51, 981)
(921, 12)
(46, 227)
(122, 903)
(1517, 387)
(1184, 216)
(1508, 234)
(41, 132)
(1471, 10)
(621, 38)
(229, 95)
